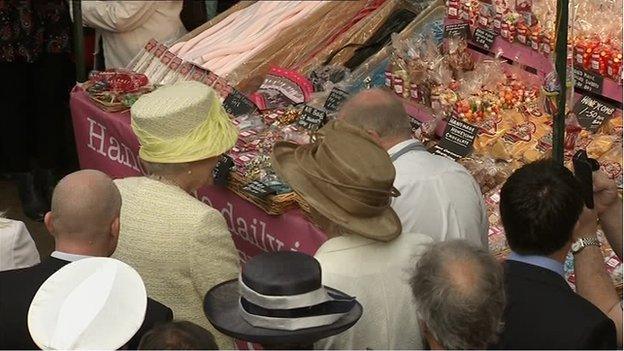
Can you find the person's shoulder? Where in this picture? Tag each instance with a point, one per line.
(549, 292)
(16, 280)
(430, 166)
(129, 183)
(158, 311)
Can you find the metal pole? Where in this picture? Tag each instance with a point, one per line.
(79, 48)
(561, 61)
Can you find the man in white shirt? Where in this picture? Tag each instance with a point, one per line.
(125, 26)
(438, 197)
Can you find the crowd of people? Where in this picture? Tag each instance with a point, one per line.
(141, 263)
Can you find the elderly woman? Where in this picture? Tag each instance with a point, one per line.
(180, 246)
(346, 178)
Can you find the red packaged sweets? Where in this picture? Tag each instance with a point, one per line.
(508, 31)
(414, 92)
(453, 7)
(524, 5)
(546, 46)
(614, 69)
(523, 32)
(388, 81)
(534, 38)
(397, 83)
(600, 58)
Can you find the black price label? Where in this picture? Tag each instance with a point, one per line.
(221, 172)
(311, 118)
(237, 104)
(457, 30)
(457, 140)
(588, 81)
(415, 124)
(335, 99)
(591, 113)
(258, 189)
(484, 38)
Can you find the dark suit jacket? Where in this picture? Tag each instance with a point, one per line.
(543, 312)
(18, 288)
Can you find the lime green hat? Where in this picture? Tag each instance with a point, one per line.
(183, 122)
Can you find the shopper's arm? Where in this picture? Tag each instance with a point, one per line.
(609, 209)
(592, 280)
(117, 16)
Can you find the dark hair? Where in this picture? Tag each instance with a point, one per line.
(178, 335)
(540, 204)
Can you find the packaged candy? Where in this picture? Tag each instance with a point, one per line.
(611, 163)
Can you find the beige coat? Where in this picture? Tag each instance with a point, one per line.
(180, 246)
(377, 274)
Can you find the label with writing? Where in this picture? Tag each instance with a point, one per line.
(457, 140)
(335, 99)
(198, 73)
(237, 104)
(258, 189)
(484, 38)
(457, 30)
(415, 124)
(588, 81)
(591, 113)
(221, 172)
(311, 118)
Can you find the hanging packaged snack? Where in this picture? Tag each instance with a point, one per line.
(142, 60)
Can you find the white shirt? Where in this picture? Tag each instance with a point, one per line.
(126, 26)
(377, 274)
(17, 248)
(67, 256)
(438, 197)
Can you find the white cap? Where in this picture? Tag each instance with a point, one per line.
(94, 303)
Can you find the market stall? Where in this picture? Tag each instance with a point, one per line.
(482, 67)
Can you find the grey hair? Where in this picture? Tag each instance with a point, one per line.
(165, 168)
(379, 111)
(459, 294)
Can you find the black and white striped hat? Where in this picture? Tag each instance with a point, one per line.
(279, 299)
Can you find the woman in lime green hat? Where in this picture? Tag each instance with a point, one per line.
(180, 246)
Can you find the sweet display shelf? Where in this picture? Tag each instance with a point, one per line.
(537, 61)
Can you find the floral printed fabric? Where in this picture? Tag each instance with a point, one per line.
(29, 28)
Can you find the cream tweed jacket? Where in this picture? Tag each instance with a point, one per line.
(180, 246)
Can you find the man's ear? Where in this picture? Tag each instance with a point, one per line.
(48, 220)
(115, 227)
(375, 136)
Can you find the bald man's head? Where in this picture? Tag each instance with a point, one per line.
(85, 212)
(377, 111)
(459, 293)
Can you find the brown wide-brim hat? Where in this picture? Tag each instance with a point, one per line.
(345, 176)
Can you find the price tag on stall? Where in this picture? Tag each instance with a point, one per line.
(588, 81)
(415, 124)
(311, 118)
(335, 99)
(237, 104)
(258, 189)
(484, 38)
(221, 172)
(591, 113)
(457, 30)
(456, 142)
